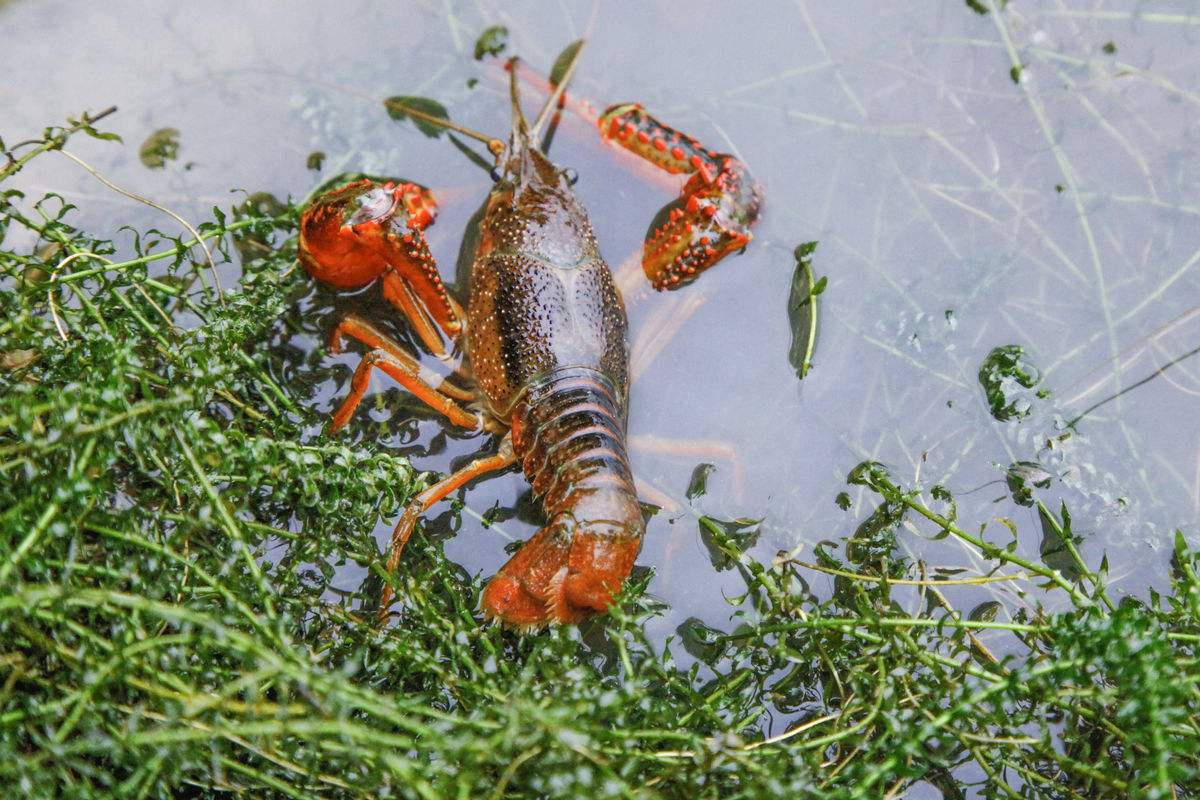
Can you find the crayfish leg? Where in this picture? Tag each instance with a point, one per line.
(408, 373)
(391, 358)
(435, 334)
(502, 459)
(362, 330)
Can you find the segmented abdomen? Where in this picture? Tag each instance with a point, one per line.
(569, 434)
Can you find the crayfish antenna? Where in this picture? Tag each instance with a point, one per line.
(520, 128)
(494, 145)
(559, 88)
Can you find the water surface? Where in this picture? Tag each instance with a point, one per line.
(973, 180)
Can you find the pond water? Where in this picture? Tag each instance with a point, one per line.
(973, 180)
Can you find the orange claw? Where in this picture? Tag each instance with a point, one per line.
(714, 212)
(364, 230)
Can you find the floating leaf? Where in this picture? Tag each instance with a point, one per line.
(1054, 549)
(874, 541)
(985, 612)
(34, 276)
(86, 123)
(12, 360)
(698, 485)
(491, 42)
(159, 148)
(980, 7)
(315, 159)
(802, 310)
(1002, 375)
(869, 474)
(400, 106)
(843, 501)
(727, 539)
(1022, 477)
(107, 136)
(564, 61)
(1185, 567)
(942, 494)
(262, 203)
(498, 513)
(702, 641)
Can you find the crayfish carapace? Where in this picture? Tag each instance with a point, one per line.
(546, 340)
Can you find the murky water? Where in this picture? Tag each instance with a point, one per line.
(973, 180)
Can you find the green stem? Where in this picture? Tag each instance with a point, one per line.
(51, 142)
(891, 492)
(910, 622)
(176, 251)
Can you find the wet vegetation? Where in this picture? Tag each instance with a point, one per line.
(169, 627)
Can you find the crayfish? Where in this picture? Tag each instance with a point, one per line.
(546, 338)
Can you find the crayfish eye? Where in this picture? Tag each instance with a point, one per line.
(570, 176)
(495, 173)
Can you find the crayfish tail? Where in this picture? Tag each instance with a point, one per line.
(570, 440)
(562, 577)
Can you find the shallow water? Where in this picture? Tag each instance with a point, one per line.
(960, 204)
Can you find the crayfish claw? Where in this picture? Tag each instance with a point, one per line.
(707, 222)
(713, 214)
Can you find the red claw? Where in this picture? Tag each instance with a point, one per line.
(365, 230)
(714, 212)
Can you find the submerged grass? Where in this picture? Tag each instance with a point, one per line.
(167, 625)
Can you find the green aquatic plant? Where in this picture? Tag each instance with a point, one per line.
(491, 42)
(169, 624)
(1004, 376)
(159, 148)
(802, 310)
